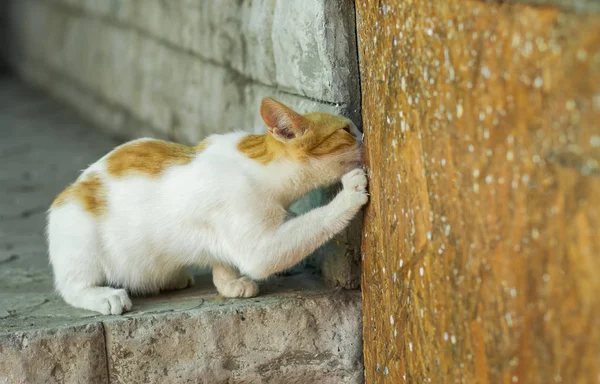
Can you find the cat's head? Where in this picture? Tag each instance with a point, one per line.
(328, 144)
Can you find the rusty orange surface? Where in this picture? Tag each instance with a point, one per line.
(481, 243)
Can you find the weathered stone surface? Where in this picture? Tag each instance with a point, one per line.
(314, 340)
(483, 232)
(163, 87)
(161, 80)
(72, 354)
(306, 47)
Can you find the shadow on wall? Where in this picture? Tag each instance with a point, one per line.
(4, 37)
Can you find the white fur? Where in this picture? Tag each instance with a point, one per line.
(222, 210)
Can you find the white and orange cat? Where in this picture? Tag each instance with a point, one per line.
(138, 217)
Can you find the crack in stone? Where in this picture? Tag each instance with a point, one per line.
(106, 359)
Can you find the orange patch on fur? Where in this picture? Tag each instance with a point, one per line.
(150, 158)
(89, 192)
(63, 197)
(262, 148)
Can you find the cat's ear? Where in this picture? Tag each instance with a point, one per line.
(283, 123)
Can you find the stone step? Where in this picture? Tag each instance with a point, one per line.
(297, 330)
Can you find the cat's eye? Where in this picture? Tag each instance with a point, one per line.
(347, 129)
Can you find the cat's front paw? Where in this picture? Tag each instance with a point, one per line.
(108, 301)
(355, 187)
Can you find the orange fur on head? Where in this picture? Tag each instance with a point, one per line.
(296, 136)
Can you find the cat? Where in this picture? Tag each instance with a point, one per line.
(135, 220)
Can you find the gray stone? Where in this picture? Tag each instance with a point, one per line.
(314, 49)
(172, 90)
(299, 340)
(306, 47)
(73, 354)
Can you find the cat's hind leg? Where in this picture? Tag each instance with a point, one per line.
(180, 280)
(230, 284)
(75, 256)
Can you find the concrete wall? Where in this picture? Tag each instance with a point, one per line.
(184, 69)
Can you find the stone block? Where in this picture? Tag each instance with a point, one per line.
(173, 91)
(308, 340)
(74, 354)
(305, 47)
(314, 49)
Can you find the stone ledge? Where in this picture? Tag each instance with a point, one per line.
(306, 336)
(295, 331)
